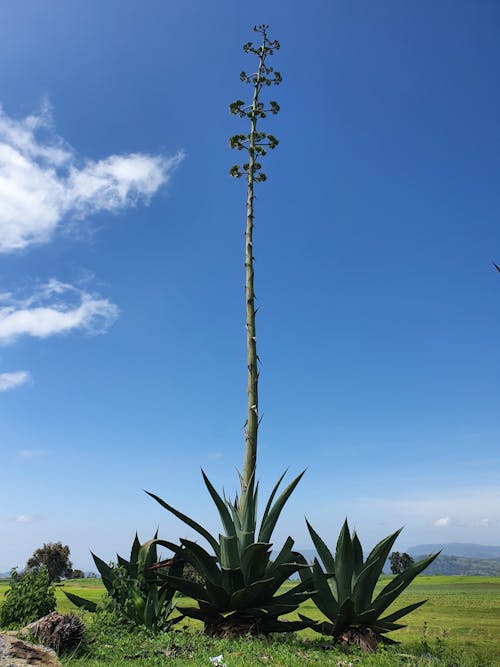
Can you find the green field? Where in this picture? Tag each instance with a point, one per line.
(462, 613)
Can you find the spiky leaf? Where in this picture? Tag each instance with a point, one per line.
(224, 514)
(344, 564)
(188, 521)
(268, 524)
(324, 552)
(88, 605)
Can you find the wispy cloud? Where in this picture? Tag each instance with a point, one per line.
(27, 518)
(43, 182)
(12, 380)
(27, 454)
(54, 308)
(442, 522)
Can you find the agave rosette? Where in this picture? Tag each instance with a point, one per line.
(345, 587)
(139, 587)
(240, 590)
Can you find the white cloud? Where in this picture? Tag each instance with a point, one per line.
(31, 453)
(443, 522)
(25, 518)
(43, 183)
(12, 380)
(54, 308)
(485, 522)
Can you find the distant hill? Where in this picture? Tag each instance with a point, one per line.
(456, 549)
(454, 559)
(478, 567)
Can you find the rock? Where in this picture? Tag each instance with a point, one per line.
(15, 652)
(58, 631)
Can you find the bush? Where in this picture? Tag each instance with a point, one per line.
(30, 597)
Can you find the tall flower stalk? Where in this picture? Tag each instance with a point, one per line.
(256, 144)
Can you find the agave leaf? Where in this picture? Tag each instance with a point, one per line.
(254, 561)
(287, 562)
(283, 573)
(192, 524)
(271, 497)
(274, 625)
(323, 552)
(275, 609)
(390, 592)
(88, 605)
(202, 561)
(229, 553)
(250, 595)
(284, 554)
(248, 512)
(299, 589)
(324, 598)
(107, 573)
(245, 539)
(256, 496)
(380, 551)
(401, 612)
(379, 627)
(225, 516)
(176, 548)
(234, 514)
(357, 555)
(375, 561)
(219, 597)
(365, 583)
(148, 556)
(347, 610)
(324, 628)
(295, 595)
(176, 568)
(189, 588)
(268, 524)
(205, 614)
(344, 564)
(134, 554)
(232, 580)
(123, 563)
(246, 506)
(151, 609)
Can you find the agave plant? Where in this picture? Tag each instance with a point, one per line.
(345, 590)
(138, 587)
(240, 589)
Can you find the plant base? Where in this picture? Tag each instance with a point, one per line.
(365, 638)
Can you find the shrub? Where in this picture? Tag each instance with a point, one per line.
(29, 598)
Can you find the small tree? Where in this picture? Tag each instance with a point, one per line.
(54, 557)
(400, 562)
(76, 574)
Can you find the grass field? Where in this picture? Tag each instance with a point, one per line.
(462, 615)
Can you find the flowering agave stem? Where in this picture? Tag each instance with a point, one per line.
(256, 144)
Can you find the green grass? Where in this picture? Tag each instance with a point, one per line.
(459, 626)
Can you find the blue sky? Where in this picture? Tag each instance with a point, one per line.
(122, 343)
